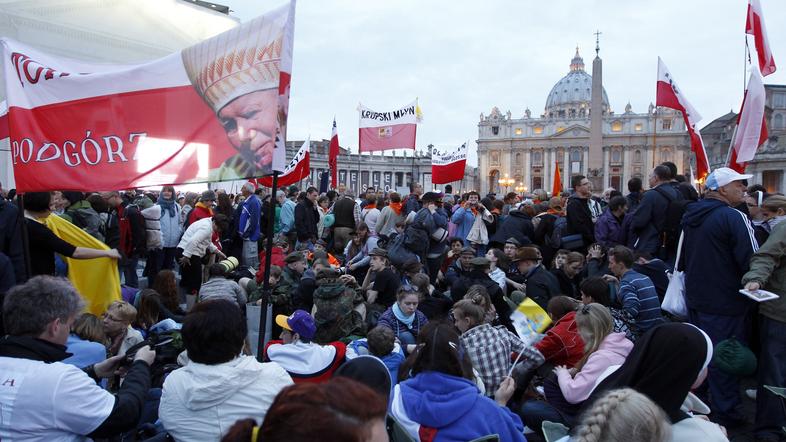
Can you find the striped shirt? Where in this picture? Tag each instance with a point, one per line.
(640, 300)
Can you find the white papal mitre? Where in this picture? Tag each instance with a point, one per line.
(237, 62)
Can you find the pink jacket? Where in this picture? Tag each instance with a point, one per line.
(612, 351)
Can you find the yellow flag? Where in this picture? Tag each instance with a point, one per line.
(97, 280)
(529, 320)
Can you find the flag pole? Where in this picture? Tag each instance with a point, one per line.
(265, 299)
(25, 237)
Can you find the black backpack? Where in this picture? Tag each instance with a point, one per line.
(670, 233)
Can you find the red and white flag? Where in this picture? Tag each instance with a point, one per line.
(394, 129)
(669, 95)
(751, 128)
(448, 166)
(183, 118)
(333, 152)
(754, 25)
(296, 170)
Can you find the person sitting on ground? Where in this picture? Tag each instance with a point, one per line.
(370, 371)
(481, 267)
(636, 292)
(597, 290)
(602, 349)
(165, 284)
(498, 261)
(460, 267)
(321, 246)
(117, 325)
(489, 348)
(540, 284)
(380, 343)
(303, 359)
(219, 287)
(45, 399)
(219, 385)
(338, 309)
(433, 304)
(278, 256)
(87, 341)
(455, 245)
(440, 398)
(357, 251)
(653, 268)
(562, 344)
(568, 274)
(620, 416)
(342, 410)
(666, 376)
(404, 318)
(385, 283)
(288, 285)
(147, 311)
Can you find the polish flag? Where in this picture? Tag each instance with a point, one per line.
(385, 130)
(448, 166)
(296, 170)
(669, 95)
(754, 26)
(751, 128)
(333, 156)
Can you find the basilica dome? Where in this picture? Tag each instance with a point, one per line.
(571, 96)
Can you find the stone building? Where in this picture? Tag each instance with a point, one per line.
(770, 161)
(580, 133)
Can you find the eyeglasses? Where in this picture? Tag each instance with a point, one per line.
(111, 318)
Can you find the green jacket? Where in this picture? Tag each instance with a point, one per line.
(287, 285)
(768, 268)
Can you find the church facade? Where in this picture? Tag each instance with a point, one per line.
(580, 134)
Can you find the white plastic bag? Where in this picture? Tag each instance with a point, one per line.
(674, 300)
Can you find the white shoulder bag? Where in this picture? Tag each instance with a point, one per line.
(674, 301)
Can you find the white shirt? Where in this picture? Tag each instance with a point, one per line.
(49, 402)
(197, 239)
(201, 402)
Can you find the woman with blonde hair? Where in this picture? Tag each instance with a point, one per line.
(87, 341)
(603, 350)
(620, 416)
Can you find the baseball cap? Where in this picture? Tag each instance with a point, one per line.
(723, 176)
(299, 322)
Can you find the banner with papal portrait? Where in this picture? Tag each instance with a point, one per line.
(214, 111)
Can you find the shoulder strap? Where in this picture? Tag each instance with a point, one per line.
(664, 194)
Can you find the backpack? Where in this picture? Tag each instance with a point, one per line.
(559, 230)
(187, 222)
(127, 246)
(670, 234)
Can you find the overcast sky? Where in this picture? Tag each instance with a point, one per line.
(461, 58)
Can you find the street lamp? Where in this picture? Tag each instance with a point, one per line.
(521, 188)
(507, 182)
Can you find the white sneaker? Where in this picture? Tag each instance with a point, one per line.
(751, 393)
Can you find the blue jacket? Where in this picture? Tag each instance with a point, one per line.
(249, 218)
(453, 407)
(717, 248)
(463, 219)
(287, 219)
(171, 229)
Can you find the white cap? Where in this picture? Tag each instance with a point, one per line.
(723, 176)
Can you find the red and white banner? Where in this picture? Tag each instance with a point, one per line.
(669, 95)
(388, 130)
(296, 170)
(212, 112)
(333, 152)
(448, 166)
(754, 25)
(751, 128)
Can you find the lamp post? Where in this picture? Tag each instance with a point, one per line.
(507, 182)
(521, 188)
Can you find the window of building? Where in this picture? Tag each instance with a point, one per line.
(637, 127)
(518, 131)
(537, 158)
(637, 156)
(665, 155)
(575, 155)
(771, 180)
(777, 121)
(518, 158)
(616, 126)
(779, 100)
(616, 156)
(666, 124)
(537, 130)
(495, 130)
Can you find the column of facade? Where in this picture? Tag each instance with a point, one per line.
(527, 172)
(585, 161)
(626, 168)
(566, 166)
(606, 176)
(548, 166)
(647, 164)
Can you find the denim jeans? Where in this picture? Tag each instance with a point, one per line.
(127, 267)
(534, 412)
(770, 412)
(724, 389)
(407, 338)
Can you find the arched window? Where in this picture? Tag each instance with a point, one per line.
(616, 156)
(777, 121)
(537, 158)
(665, 155)
(493, 180)
(637, 156)
(518, 158)
(575, 155)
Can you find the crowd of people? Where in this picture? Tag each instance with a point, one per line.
(392, 314)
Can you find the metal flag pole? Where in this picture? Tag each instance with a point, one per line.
(265, 299)
(25, 238)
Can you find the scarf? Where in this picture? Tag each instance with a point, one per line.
(168, 205)
(204, 206)
(407, 320)
(396, 207)
(371, 206)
